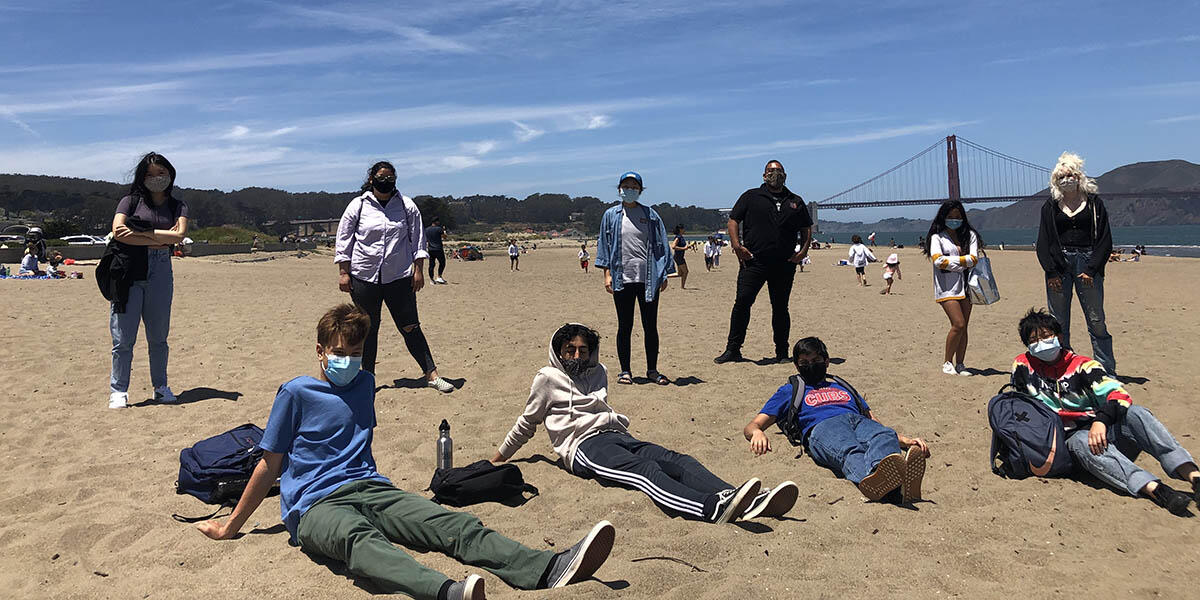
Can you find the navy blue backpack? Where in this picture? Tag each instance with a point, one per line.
(1027, 437)
(216, 470)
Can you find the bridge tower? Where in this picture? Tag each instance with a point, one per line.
(952, 167)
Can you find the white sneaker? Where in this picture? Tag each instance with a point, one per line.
(439, 280)
(163, 395)
(441, 385)
(118, 400)
(962, 370)
(948, 368)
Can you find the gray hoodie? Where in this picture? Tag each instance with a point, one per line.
(572, 408)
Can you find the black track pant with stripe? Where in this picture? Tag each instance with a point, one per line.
(675, 482)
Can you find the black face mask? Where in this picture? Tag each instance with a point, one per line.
(384, 187)
(814, 373)
(574, 366)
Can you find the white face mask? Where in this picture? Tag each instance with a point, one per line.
(1046, 350)
(1068, 184)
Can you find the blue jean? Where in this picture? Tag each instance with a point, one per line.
(149, 302)
(1139, 431)
(1091, 300)
(851, 445)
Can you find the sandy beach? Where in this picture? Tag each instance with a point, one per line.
(87, 493)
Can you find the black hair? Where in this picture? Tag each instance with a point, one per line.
(769, 164)
(678, 229)
(856, 239)
(964, 231)
(138, 186)
(436, 220)
(1035, 320)
(570, 331)
(383, 164)
(809, 345)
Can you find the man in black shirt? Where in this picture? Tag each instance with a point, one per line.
(771, 219)
(433, 240)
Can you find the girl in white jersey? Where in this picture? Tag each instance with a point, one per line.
(953, 248)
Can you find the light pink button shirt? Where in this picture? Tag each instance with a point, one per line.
(380, 243)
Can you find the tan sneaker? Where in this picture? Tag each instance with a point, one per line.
(888, 475)
(914, 473)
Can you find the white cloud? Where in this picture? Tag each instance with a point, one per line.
(371, 21)
(480, 148)
(740, 152)
(1179, 119)
(238, 131)
(599, 122)
(98, 100)
(15, 120)
(525, 133)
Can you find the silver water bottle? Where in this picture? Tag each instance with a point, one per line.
(445, 447)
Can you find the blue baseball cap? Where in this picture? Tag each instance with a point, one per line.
(632, 174)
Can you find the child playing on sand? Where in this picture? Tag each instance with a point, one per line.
(583, 257)
(335, 504)
(859, 255)
(570, 396)
(839, 431)
(891, 271)
(1105, 431)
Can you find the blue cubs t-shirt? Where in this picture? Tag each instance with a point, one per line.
(828, 400)
(325, 433)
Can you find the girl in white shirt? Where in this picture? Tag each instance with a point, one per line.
(953, 248)
(860, 255)
(514, 256)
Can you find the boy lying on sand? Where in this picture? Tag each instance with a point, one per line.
(336, 504)
(570, 396)
(839, 430)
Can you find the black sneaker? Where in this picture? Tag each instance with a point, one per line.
(733, 503)
(470, 588)
(774, 502)
(582, 559)
(728, 356)
(782, 356)
(1196, 492)
(1175, 501)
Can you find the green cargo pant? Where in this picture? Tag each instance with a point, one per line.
(359, 521)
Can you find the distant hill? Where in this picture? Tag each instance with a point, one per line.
(1153, 176)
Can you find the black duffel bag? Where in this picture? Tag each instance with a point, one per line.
(480, 481)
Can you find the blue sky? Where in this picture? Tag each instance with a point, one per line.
(521, 96)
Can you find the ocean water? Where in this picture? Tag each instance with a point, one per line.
(1160, 240)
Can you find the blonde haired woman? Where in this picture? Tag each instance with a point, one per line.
(1074, 241)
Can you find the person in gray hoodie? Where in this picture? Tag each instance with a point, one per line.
(570, 397)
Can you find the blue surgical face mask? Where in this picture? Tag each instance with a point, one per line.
(1046, 350)
(953, 223)
(629, 195)
(341, 370)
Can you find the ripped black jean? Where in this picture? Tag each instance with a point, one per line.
(402, 303)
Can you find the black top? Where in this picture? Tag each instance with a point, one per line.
(679, 242)
(1076, 231)
(770, 222)
(433, 237)
(1050, 249)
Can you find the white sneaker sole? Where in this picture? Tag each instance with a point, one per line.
(596, 547)
(779, 501)
(473, 588)
(914, 474)
(741, 501)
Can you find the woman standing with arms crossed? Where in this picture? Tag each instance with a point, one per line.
(381, 251)
(1073, 245)
(632, 252)
(147, 223)
(953, 248)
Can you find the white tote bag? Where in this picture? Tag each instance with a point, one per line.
(981, 283)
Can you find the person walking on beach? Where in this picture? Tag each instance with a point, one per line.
(771, 217)
(583, 257)
(891, 272)
(710, 247)
(380, 254)
(859, 256)
(953, 247)
(1073, 245)
(147, 223)
(434, 235)
(680, 246)
(514, 256)
(633, 253)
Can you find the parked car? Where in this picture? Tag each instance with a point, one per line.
(82, 240)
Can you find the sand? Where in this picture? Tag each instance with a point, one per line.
(86, 493)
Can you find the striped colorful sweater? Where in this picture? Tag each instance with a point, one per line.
(1076, 386)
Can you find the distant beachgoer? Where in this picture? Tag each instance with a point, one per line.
(1074, 243)
(891, 272)
(381, 254)
(514, 256)
(710, 247)
(583, 257)
(147, 223)
(679, 246)
(859, 255)
(633, 253)
(717, 253)
(953, 250)
(771, 218)
(871, 238)
(29, 262)
(56, 259)
(893, 242)
(433, 237)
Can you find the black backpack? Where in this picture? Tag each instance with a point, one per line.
(1027, 437)
(787, 421)
(216, 470)
(480, 481)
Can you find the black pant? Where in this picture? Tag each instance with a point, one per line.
(778, 275)
(675, 482)
(438, 256)
(402, 303)
(624, 299)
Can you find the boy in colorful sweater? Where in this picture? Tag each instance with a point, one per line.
(1105, 431)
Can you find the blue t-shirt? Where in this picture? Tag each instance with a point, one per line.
(325, 433)
(820, 403)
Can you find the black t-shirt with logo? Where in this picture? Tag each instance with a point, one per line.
(770, 222)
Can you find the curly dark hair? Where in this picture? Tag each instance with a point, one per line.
(569, 332)
(1035, 320)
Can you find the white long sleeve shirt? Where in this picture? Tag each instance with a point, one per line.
(380, 242)
(950, 266)
(860, 255)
